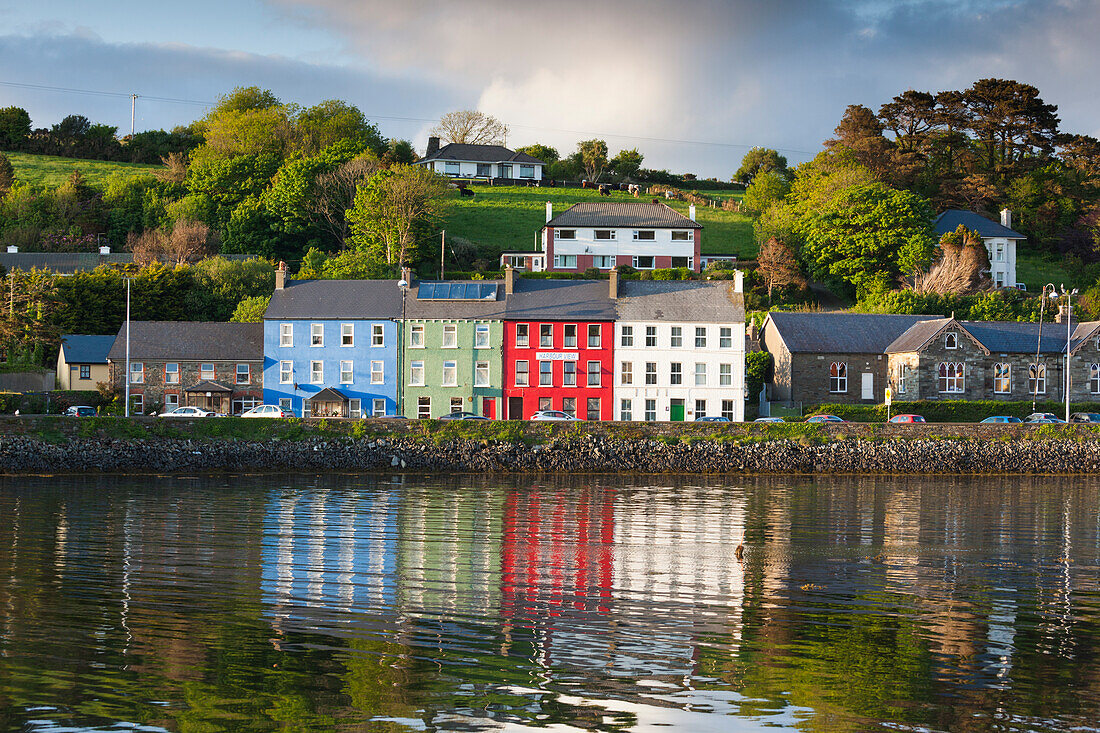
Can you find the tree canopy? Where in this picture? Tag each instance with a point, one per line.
(471, 127)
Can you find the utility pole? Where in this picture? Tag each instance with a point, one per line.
(442, 251)
(126, 375)
(133, 110)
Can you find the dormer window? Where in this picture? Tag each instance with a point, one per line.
(605, 234)
(951, 340)
(645, 235)
(566, 233)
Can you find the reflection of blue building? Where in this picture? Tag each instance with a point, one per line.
(329, 552)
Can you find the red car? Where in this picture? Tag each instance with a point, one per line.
(907, 419)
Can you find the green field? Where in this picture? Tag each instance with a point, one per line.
(50, 170)
(504, 218)
(1036, 269)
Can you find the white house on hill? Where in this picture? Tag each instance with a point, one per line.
(480, 161)
(1000, 241)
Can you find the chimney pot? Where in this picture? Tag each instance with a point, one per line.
(509, 280)
(738, 281)
(105, 250)
(613, 283)
(1065, 314)
(433, 146)
(691, 212)
(280, 276)
(549, 210)
(1006, 218)
(12, 249)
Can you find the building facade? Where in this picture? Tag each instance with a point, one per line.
(82, 361)
(999, 238)
(480, 161)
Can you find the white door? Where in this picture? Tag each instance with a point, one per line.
(868, 386)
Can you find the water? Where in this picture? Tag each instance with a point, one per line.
(418, 604)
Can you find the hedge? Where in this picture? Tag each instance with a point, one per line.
(966, 411)
(47, 402)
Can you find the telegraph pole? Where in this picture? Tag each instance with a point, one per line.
(133, 110)
(442, 251)
(126, 376)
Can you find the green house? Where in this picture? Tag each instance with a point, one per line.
(451, 357)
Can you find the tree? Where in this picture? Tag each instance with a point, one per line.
(760, 160)
(334, 121)
(626, 163)
(396, 210)
(910, 116)
(962, 267)
(26, 318)
(251, 310)
(400, 151)
(593, 156)
(334, 193)
(767, 188)
(188, 241)
(778, 266)
(471, 127)
(246, 122)
(545, 153)
(1011, 122)
(7, 175)
(15, 125)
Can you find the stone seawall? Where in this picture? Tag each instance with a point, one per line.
(569, 453)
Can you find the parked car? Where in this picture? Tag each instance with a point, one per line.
(768, 419)
(1002, 419)
(463, 416)
(712, 418)
(80, 411)
(824, 418)
(1042, 416)
(267, 411)
(188, 412)
(1085, 417)
(907, 419)
(555, 415)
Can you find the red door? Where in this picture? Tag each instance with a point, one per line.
(488, 408)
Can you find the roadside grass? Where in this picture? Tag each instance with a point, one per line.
(1036, 269)
(50, 170)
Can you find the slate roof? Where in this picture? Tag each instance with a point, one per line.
(329, 394)
(841, 333)
(333, 299)
(480, 154)
(917, 335)
(680, 301)
(208, 385)
(621, 214)
(1005, 337)
(560, 300)
(949, 221)
(80, 349)
(456, 309)
(190, 341)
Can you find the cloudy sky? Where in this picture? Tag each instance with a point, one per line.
(691, 83)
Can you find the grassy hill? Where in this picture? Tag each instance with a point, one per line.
(51, 170)
(503, 218)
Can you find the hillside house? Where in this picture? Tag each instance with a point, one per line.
(460, 160)
(1000, 241)
(82, 361)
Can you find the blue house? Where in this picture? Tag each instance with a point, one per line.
(330, 347)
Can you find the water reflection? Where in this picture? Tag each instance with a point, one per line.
(403, 603)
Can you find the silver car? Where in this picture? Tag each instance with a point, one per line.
(188, 412)
(554, 415)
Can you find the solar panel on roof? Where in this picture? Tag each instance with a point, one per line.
(456, 291)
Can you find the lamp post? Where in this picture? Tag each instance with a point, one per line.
(126, 375)
(403, 284)
(1039, 342)
(1069, 336)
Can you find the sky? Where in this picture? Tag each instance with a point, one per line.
(692, 84)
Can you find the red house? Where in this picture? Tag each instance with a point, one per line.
(558, 354)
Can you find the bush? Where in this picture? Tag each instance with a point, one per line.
(962, 411)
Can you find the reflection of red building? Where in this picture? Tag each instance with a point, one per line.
(558, 349)
(558, 552)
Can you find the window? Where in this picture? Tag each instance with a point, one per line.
(286, 334)
(546, 374)
(316, 334)
(902, 369)
(379, 408)
(681, 235)
(700, 337)
(481, 374)
(838, 377)
(355, 408)
(484, 169)
(171, 402)
(244, 374)
(452, 168)
(456, 404)
(650, 336)
(85, 371)
(999, 252)
(643, 262)
(645, 235)
(481, 336)
(450, 336)
(677, 339)
(423, 408)
(592, 409)
(526, 171)
(416, 374)
(286, 372)
(377, 375)
(951, 340)
(604, 234)
(727, 409)
(603, 262)
(700, 409)
(316, 372)
(206, 371)
(725, 337)
(626, 411)
(522, 341)
(569, 406)
(593, 374)
(1037, 378)
(347, 334)
(171, 373)
(650, 410)
(565, 234)
(377, 335)
(1094, 378)
(137, 404)
(285, 403)
(651, 372)
(675, 373)
(999, 279)
(594, 339)
(700, 374)
(1002, 378)
(627, 374)
(627, 336)
(137, 372)
(546, 336)
(521, 374)
(569, 369)
(688, 262)
(505, 170)
(345, 372)
(951, 377)
(725, 375)
(570, 338)
(416, 337)
(546, 403)
(565, 262)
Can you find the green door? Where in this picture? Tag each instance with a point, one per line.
(677, 411)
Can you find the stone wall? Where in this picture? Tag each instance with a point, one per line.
(810, 377)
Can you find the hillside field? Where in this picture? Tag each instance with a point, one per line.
(500, 218)
(50, 170)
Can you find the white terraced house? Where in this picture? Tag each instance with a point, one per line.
(480, 161)
(680, 350)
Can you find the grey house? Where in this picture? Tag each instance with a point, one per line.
(460, 160)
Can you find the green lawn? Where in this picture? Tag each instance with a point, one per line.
(503, 218)
(51, 170)
(1037, 269)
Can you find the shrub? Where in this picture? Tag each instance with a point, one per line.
(962, 411)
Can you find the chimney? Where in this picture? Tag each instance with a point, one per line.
(280, 276)
(613, 283)
(509, 280)
(407, 275)
(691, 212)
(1006, 218)
(1065, 314)
(549, 210)
(105, 250)
(12, 249)
(433, 147)
(738, 281)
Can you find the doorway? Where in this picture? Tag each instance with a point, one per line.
(868, 392)
(515, 408)
(676, 411)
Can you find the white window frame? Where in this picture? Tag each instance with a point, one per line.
(567, 337)
(700, 374)
(450, 336)
(286, 403)
(316, 335)
(595, 330)
(205, 373)
(728, 410)
(568, 234)
(603, 262)
(725, 337)
(650, 337)
(901, 383)
(546, 374)
(569, 374)
(347, 372)
(725, 375)
(347, 334)
(626, 373)
(951, 340)
(627, 337)
(416, 336)
(675, 373)
(700, 409)
(650, 373)
(456, 405)
(597, 374)
(137, 403)
(609, 235)
(286, 334)
(377, 335)
(378, 407)
(481, 374)
(423, 408)
(1041, 370)
(645, 235)
(676, 338)
(171, 402)
(247, 374)
(523, 335)
(377, 372)
(482, 338)
(171, 376)
(682, 235)
(626, 409)
(416, 374)
(700, 337)
(838, 377)
(588, 408)
(649, 414)
(546, 335)
(450, 374)
(1094, 378)
(951, 377)
(286, 372)
(637, 262)
(316, 372)
(1002, 378)
(355, 408)
(525, 373)
(565, 262)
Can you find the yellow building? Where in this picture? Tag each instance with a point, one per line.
(82, 361)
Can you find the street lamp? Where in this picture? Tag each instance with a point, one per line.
(126, 375)
(1039, 342)
(1069, 335)
(403, 284)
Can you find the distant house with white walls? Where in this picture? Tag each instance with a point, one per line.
(459, 160)
(1000, 241)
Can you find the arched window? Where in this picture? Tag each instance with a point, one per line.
(951, 377)
(951, 340)
(838, 377)
(1002, 378)
(1037, 378)
(1094, 378)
